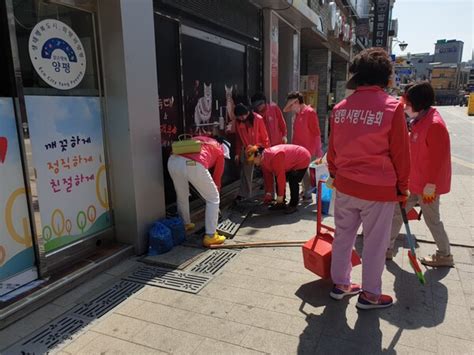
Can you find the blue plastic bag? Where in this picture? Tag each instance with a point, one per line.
(326, 194)
(160, 239)
(176, 225)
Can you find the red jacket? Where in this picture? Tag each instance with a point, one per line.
(251, 134)
(430, 154)
(306, 132)
(210, 156)
(280, 159)
(369, 153)
(275, 124)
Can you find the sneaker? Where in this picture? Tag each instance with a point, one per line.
(437, 260)
(215, 239)
(389, 254)
(189, 227)
(291, 209)
(382, 301)
(338, 292)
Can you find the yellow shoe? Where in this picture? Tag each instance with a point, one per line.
(215, 239)
(189, 226)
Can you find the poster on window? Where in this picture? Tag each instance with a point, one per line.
(68, 157)
(213, 74)
(17, 257)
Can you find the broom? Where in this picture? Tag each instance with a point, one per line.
(411, 253)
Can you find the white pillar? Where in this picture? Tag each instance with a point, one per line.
(133, 125)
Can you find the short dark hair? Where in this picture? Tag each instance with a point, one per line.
(295, 95)
(420, 96)
(240, 109)
(372, 66)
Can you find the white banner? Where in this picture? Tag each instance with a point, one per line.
(68, 156)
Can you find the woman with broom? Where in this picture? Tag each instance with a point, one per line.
(369, 164)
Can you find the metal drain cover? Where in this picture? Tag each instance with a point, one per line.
(166, 278)
(233, 219)
(64, 327)
(103, 303)
(214, 262)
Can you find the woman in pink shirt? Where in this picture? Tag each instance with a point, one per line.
(273, 118)
(285, 162)
(194, 168)
(430, 174)
(369, 163)
(306, 133)
(250, 130)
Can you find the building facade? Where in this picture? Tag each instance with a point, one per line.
(92, 93)
(448, 51)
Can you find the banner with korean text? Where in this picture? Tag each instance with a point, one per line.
(17, 256)
(68, 157)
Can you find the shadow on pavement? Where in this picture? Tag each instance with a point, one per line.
(416, 306)
(329, 332)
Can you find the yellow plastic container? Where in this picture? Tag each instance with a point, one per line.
(470, 105)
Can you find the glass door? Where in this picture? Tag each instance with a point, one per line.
(17, 254)
(62, 106)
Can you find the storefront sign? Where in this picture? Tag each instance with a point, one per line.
(380, 32)
(57, 54)
(17, 257)
(68, 156)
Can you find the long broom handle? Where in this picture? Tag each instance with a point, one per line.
(407, 227)
(258, 244)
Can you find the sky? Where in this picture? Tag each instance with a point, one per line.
(422, 22)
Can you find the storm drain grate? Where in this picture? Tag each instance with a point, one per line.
(172, 279)
(233, 219)
(64, 327)
(49, 336)
(214, 262)
(103, 303)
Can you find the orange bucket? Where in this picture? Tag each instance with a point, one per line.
(317, 251)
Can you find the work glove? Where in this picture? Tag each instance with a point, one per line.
(429, 193)
(268, 198)
(280, 199)
(284, 140)
(330, 183)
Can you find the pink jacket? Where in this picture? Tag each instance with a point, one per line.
(280, 159)
(275, 124)
(251, 134)
(306, 132)
(369, 153)
(210, 156)
(430, 154)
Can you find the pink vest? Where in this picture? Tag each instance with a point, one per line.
(430, 154)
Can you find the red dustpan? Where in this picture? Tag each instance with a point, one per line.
(317, 251)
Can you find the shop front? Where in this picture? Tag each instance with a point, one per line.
(56, 143)
(208, 57)
(55, 195)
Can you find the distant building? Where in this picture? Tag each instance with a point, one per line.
(421, 63)
(445, 82)
(448, 51)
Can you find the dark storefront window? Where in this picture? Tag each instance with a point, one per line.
(199, 69)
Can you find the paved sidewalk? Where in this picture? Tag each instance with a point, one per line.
(264, 301)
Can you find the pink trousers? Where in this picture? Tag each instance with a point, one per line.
(376, 218)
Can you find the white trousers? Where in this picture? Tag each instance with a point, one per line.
(184, 171)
